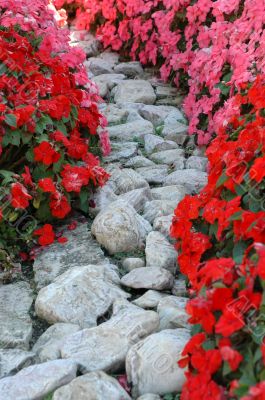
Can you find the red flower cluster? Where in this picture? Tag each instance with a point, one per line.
(48, 122)
(221, 241)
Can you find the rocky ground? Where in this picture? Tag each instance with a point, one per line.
(111, 299)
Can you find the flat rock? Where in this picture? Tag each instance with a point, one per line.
(120, 229)
(91, 46)
(110, 56)
(132, 68)
(12, 360)
(80, 295)
(108, 79)
(135, 91)
(138, 162)
(122, 151)
(149, 396)
(155, 114)
(105, 347)
(130, 130)
(148, 278)
(158, 208)
(167, 156)
(152, 364)
(47, 346)
(125, 180)
(114, 114)
(195, 162)
(163, 224)
(137, 198)
(179, 164)
(131, 263)
(174, 192)
(179, 288)
(154, 143)
(150, 299)
(165, 91)
(93, 386)
(15, 323)
(192, 179)
(102, 198)
(172, 313)
(81, 249)
(155, 174)
(98, 66)
(174, 123)
(174, 130)
(36, 381)
(160, 253)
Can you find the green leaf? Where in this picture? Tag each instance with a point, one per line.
(12, 137)
(236, 217)
(238, 251)
(222, 179)
(11, 120)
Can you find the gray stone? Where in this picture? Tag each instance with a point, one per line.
(36, 381)
(47, 346)
(152, 364)
(174, 130)
(155, 114)
(150, 299)
(167, 156)
(131, 263)
(108, 80)
(174, 192)
(179, 288)
(138, 162)
(170, 101)
(179, 164)
(135, 91)
(155, 174)
(199, 151)
(102, 198)
(113, 113)
(154, 143)
(110, 57)
(158, 208)
(137, 198)
(174, 123)
(98, 66)
(94, 386)
(195, 162)
(12, 360)
(80, 295)
(160, 253)
(172, 313)
(91, 47)
(120, 229)
(131, 68)
(81, 249)
(125, 180)
(148, 278)
(149, 396)
(122, 151)
(15, 322)
(163, 224)
(130, 130)
(165, 91)
(105, 347)
(192, 179)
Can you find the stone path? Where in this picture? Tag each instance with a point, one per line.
(111, 297)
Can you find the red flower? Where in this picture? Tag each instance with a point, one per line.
(46, 235)
(229, 323)
(27, 178)
(59, 205)
(46, 154)
(62, 239)
(233, 357)
(74, 178)
(257, 171)
(47, 185)
(20, 196)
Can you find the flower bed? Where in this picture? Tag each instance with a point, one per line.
(207, 47)
(49, 146)
(221, 242)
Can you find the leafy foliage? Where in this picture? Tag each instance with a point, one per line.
(49, 124)
(221, 241)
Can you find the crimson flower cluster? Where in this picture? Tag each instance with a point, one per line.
(49, 122)
(221, 241)
(207, 47)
